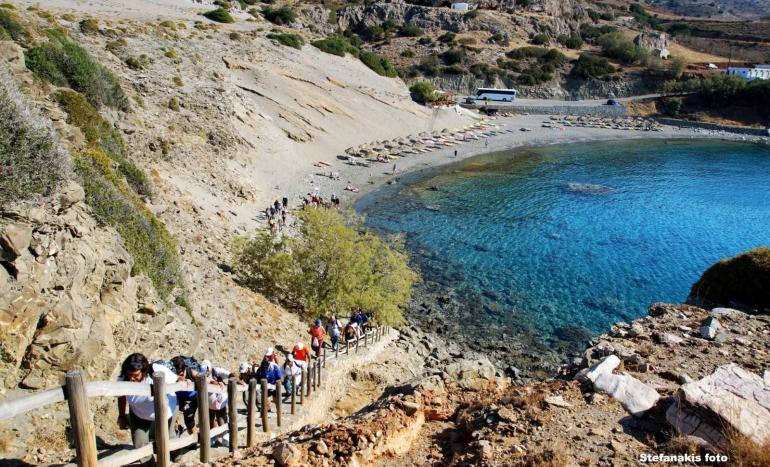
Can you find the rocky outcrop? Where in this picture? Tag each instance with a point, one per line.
(635, 396)
(738, 281)
(69, 298)
(729, 399)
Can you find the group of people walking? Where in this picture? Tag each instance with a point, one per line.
(137, 413)
(315, 200)
(276, 215)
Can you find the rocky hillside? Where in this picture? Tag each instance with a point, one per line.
(725, 9)
(681, 381)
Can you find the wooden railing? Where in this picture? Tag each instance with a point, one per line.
(76, 391)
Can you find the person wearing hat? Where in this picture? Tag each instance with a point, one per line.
(292, 377)
(301, 355)
(271, 372)
(270, 354)
(317, 335)
(246, 373)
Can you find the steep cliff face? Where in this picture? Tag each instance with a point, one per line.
(68, 299)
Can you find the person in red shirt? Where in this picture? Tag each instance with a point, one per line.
(317, 335)
(301, 355)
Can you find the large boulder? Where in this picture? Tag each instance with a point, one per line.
(606, 366)
(635, 396)
(471, 374)
(741, 280)
(710, 327)
(15, 238)
(729, 399)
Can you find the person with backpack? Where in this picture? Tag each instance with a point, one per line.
(350, 332)
(317, 334)
(187, 369)
(333, 329)
(137, 413)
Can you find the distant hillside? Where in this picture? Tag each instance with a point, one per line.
(723, 9)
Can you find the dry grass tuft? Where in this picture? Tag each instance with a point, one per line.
(745, 452)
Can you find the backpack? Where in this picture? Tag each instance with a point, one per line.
(192, 364)
(314, 342)
(163, 363)
(217, 401)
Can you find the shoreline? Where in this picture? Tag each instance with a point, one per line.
(369, 179)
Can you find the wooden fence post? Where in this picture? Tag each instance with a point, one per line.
(347, 346)
(204, 427)
(278, 402)
(337, 349)
(251, 435)
(318, 375)
(311, 381)
(232, 413)
(324, 356)
(293, 394)
(263, 383)
(80, 418)
(161, 420)
(358, 338)
(302, 387)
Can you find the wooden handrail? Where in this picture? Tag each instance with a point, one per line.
(79, 393)
(20, 405)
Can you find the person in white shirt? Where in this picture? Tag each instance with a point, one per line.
(217, 401)
(137, 413)
(292, 377)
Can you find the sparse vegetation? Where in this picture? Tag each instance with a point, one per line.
(11, 27)
(336, 45)
(178, 81)
(592, 66)
(424, 92)
(63, 62)
(540, 39)
(618, 46)
(89, 26)
(741, 279)
(220, 15)
(333, 265)
(378, 63)
(288, 39)
(170, 53)
(112, 183)
(235, 36)
(410, 30)
(173, 104)
(31, 163)
(280, 16)
(138, 63)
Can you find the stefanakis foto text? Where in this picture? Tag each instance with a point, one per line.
(682, 458)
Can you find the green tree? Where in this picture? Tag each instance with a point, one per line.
(618, 46)
(331, 266)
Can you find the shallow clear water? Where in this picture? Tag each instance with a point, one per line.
(518, 231)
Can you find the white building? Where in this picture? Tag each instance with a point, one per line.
(460, 6)
(758, 72)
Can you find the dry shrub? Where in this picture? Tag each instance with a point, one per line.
(551, 456)
(31, 162)
(745, 452)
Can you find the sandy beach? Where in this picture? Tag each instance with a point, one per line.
(367, 179)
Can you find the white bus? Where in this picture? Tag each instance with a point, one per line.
(489, 94)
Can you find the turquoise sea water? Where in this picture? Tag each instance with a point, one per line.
(579, 235)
